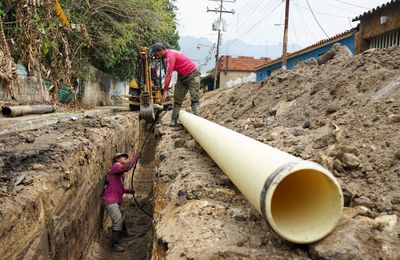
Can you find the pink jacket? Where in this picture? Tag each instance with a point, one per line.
(114, 189)
(178, 62)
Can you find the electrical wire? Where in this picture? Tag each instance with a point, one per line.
(338, 7)
(250, 13)
(319, 12)
(134, 168)
(294, 29)
(347, 3)
(305, 27)
(254, 25)
(316, 19)
(229, 43)
(208, 57)
(255, 21)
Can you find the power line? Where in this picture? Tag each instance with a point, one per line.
(319, 12)
(208, 57)
(262, 30)
(250, 28)
(347, 3)
(250, 13)
(338, 7)
(254, 25)
(294, 29)
(305, 27)
(316, 19)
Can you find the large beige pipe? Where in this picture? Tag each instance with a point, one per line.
(301, 200)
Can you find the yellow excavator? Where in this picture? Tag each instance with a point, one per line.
(145, 92)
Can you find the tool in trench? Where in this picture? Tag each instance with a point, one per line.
(145, 92)
(134, 168)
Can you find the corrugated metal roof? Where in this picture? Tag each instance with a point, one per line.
(374, 10)
(318, 44)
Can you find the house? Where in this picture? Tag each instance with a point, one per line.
(230, 68)
(346, 38)
(379, 27)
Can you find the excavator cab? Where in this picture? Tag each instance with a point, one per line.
(145, 92)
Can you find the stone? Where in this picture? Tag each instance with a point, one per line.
(238, 214)
(27, 181)
(397, 155)
(162, 157)
(30, 139)
(363, 201)
(38, 167)
(191, 144)
(337, 165)
(324, 141)
(307, 125)
(395, 118)
(272, 136)
(350, 161)
(19, 180)
(179, 143)
(348, 243)
(258, 125)
(395, 200)
(386, 223)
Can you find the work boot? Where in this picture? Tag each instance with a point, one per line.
(115, 238)
(125, 232)
(196, 108)
(174, 116)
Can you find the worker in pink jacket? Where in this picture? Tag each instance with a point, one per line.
(188, 79)
(112, 197)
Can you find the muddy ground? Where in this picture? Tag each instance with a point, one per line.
(344, 114)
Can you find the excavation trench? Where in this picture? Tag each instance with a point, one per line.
(51, 183)
(136, 216)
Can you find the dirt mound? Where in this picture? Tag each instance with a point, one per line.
(343, 114)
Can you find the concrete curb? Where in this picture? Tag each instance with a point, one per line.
(28, 123)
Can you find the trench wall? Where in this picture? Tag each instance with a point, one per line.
(60, 214)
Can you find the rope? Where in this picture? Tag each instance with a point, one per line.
(134, 168)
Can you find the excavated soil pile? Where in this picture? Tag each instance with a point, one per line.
(343, 114)
(51, 182)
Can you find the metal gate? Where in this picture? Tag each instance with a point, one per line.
(385, 41)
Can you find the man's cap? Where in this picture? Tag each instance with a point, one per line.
(117, 155)
(157, 46)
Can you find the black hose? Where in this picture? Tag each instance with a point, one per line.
(134, 168)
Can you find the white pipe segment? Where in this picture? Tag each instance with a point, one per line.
(300, 200)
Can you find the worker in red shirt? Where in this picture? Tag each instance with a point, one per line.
(188, 79)
(112, 197)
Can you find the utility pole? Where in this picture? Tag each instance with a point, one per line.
(285, 36)
(219, 27)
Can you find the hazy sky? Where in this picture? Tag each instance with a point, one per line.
(260, 21)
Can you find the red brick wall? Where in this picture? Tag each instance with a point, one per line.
(241, 63)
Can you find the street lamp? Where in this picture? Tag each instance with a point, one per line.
(199, 46)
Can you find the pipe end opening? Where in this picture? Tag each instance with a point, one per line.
(6, 111)
(306, 206)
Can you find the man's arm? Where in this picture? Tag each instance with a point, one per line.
(118, 168)
(170, 69)
(129, 165)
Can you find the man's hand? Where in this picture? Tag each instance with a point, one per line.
(131, 191)
(139, 154)
(164, 96)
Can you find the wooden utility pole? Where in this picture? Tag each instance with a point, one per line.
(285, 36)
(219, 10)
